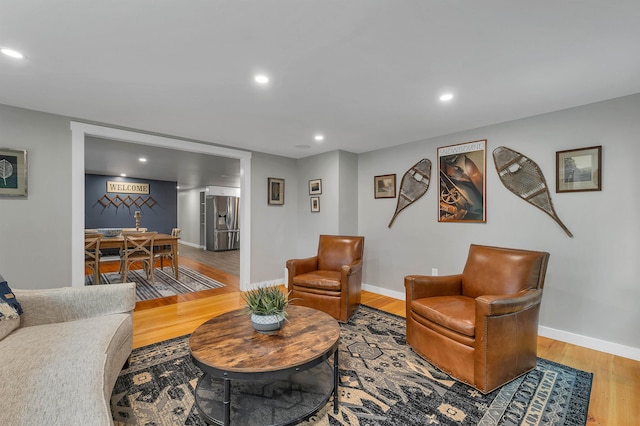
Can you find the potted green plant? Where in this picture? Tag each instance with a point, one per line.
(267, 306)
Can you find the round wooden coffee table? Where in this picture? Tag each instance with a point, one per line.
(278, 379)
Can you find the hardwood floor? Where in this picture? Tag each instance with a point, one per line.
(615, 395)
(227, 261)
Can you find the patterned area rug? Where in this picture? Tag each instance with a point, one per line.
(382, 382)
(165, 285)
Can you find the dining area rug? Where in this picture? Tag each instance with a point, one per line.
(382, 382)
(165, 282)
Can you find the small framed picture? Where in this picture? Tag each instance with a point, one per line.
(275, 191)
(13, 172)
(579, 169)
(315, 204)
(384, 186)
(315, 187)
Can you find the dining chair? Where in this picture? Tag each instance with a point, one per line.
(92, 254)
(138, 247)
(166, 251)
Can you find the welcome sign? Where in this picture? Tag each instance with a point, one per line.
(127, 187)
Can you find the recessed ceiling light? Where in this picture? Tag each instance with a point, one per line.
(12, 53)
(318, 138)
(261, 79)
(446, 97)
(142, 160)
(123, 174)
(177, 186)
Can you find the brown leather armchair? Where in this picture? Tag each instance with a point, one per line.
(481, 326)
(330, 281)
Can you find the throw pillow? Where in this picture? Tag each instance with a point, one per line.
(7, 296)
(9, 319)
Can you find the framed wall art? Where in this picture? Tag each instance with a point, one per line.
(315, 204)
(315, 187)
(13, 172)
(276, 191)
(461, 184)
(384, 186)
(579, 169)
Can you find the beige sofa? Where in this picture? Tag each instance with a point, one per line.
(60, 365)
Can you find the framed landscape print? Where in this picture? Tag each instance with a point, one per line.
(461, 184)
(315, 187)
(384, 186)
(13, 172)
(275, 191)
(579, 169)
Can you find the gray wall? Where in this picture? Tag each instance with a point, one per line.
(338, 213)
(291, 231)
(273, 227)
(189, 216)
(348, 193)
(592, 287)
(312, 224)
(35, 232)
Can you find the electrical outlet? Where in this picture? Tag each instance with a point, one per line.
(434, 272)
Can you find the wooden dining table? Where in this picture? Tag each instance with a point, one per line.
(159, 240)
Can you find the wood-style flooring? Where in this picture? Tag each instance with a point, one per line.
(227, 261)
(615, 395)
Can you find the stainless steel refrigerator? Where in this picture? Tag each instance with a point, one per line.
(222, 222)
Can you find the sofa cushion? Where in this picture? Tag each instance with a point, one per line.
(56, 372)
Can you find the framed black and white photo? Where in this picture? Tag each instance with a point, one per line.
(384, 186)
(315, 204)
(579, 169)
(13, 172)
(315, 187)
(275, 191)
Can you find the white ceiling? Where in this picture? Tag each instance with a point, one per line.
(365, 73)
(189, 170)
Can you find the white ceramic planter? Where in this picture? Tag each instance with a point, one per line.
(267, 323)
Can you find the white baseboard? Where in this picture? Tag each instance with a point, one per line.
(269, 283)
(590, 342)
(552, 333)
(383, 291)
(194, 245)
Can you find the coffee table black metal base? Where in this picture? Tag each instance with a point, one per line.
(256, 379)
(284, 401)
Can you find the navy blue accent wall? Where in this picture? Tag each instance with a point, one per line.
(161, 216)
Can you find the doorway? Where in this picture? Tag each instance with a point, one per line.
(79, 131)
